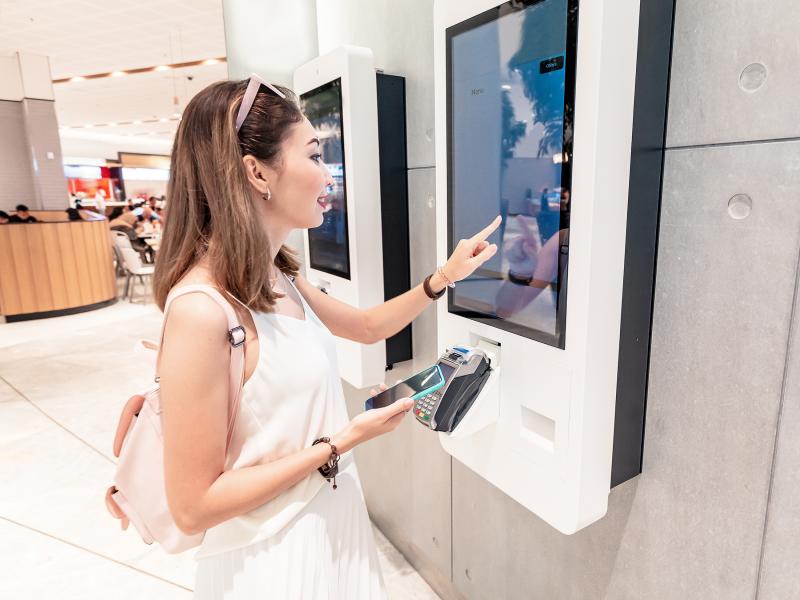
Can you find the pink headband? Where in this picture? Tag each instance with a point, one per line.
(253, 86)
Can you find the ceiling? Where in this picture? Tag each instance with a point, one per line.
(83, 37)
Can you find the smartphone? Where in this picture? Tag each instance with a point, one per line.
(417, 386)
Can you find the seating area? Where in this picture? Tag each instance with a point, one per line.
(130, 263)
(55, 263)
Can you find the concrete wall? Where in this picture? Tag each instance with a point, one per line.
(31, 170)
(44, 145)
(15, 167)
(28, 138)
(269, 37)
(716, 512)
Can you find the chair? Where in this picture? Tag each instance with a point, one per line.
(119, 262)
(134, 268)
(121, 239)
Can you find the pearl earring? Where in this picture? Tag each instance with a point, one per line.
(268, 195)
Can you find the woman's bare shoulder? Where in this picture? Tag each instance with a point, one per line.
(192, 310)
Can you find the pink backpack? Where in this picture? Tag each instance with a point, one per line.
(139, 493)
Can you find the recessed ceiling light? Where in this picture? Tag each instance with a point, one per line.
(137, 122)
(176, 115)
(88, 126)
(137, 70)
(163, 120)
(112, 124)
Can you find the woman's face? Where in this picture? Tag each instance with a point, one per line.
(298, 186)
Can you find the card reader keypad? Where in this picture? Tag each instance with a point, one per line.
(426, 406)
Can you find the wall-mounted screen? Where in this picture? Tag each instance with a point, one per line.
(510, 107)
(328, 243)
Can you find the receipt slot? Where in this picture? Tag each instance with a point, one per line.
(551, 113)
(360, 252)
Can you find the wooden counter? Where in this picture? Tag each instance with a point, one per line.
(55, 267)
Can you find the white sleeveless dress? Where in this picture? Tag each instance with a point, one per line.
(312, 541)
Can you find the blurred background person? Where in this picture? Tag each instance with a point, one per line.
(22, 215)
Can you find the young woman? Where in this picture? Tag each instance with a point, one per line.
(246, 171)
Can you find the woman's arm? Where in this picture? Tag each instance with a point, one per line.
(367, 326)
(372, 325)
(194, 392)
(384, 320)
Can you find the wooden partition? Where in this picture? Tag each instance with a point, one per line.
(55, 267)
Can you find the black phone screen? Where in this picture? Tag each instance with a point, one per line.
(422, 381)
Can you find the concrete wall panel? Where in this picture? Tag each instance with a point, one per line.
(734, 72)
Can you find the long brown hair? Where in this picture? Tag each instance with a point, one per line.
(211, 211)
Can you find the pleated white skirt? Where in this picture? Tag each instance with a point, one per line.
(327, 552)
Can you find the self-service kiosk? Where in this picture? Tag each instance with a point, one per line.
(360, 253)
(551, 113)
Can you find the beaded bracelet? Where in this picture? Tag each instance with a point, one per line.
(331, 468)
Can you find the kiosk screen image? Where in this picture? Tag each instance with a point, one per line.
(510, 107)
(328, 243)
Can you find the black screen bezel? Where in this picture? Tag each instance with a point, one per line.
(556, 340)
(335, 83)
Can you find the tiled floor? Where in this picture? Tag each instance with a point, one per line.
(63, 382)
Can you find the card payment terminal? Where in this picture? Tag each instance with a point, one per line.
(465, 371)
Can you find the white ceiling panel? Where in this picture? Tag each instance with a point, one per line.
(132, 97)
(84, 37)
(94, 36)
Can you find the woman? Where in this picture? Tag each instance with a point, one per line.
(129, 224)
(274, 527)
(124, 222)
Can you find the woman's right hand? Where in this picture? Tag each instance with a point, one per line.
(372, 423)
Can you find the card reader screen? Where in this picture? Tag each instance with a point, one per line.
(328, 243)
(447, 370)
(510, 99)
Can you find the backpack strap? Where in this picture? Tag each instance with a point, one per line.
(236, 338)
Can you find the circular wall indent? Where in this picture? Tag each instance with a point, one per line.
(753, 77)
(739, 206)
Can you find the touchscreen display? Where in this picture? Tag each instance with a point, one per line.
(328, 243)
(510, 98)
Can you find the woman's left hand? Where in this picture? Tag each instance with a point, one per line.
(471, 253)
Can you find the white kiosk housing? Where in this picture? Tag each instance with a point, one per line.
(360, 117)
(538, 107)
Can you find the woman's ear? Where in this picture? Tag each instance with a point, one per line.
(256, 174)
